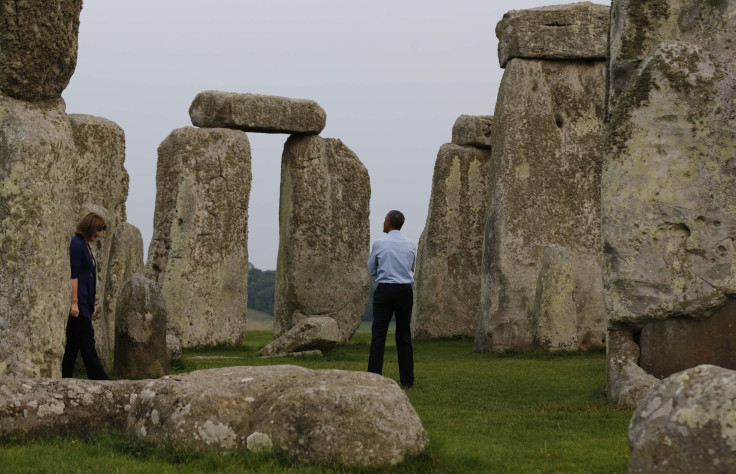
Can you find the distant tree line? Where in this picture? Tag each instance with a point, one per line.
(261, 289)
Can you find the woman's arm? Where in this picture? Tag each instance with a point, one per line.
(74, 311)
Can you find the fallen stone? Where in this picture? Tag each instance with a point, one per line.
(473, 130)
(313, 353)
(199, 250)
(173, 348)
(37, 162)
(314, 333)
(545, 190)
(140, 330)
(38, 47)
(450, 250)
(324, 235)
(554, 305)
(686, 424)
(257, 113)
(627, 383)
(574, 31)
(213, 357)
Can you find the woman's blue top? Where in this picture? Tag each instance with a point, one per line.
(83, 269)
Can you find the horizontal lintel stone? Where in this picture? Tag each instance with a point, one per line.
(473, 130)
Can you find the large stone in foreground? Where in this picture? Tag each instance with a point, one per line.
(450, 250)
(37, 162)
(575, 31)
(686, 424)
(356, 419)
(38, 47)
(324, 235)
(473, 130)
(547, 152)
(257, 113)
(140, 330)
(199, 250)
(315, 333)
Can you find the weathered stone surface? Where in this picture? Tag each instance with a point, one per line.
(473, 130)
(325, 416)
(321, 333)
(324, 235)
(574, 31)
(140, 330)
(37, 159)
(555, 318)
(626, 382)
(450, 250)
(668, 207)
(126, 258)
(64, 407)
(38, 47)
(257, 113)
(637, 28)
(173, 348)
(546, 159)
(100, 176)
(686, 424)
(199, 250)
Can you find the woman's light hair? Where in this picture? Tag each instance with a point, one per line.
(89, 224)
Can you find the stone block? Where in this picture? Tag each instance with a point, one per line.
(473, 130)
(315, 333)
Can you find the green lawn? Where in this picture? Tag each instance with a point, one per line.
(525, 413)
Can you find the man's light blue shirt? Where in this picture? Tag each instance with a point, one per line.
(392, 259)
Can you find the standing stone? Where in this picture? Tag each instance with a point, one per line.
(38, 47)
(547, 152)
(324, 235)
(140, 330)
(37, 160)
(257, 113)
(473, 130)
(450, 250)
(173, 348)
(575, 31)
(554, 304)
(686, 424)
(668, 204)
(199, 251)
(126, 258)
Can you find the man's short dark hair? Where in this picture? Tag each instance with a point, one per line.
(396, 218)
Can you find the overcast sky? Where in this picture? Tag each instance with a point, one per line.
(392, 76)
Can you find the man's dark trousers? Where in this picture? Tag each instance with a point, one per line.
(389, 299)
(80, 337)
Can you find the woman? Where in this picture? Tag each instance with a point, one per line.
(80, 336)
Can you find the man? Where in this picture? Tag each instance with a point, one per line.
(392, 262)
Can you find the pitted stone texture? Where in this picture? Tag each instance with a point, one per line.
(547, 152)
(173, 348)
(325, 416)
(686, 424)
(555, 317)
(140, 330)
(315, 333)
(257, 113)
(626, 382)
(38, 47)
(100, 176)
(638, 27)
(574, 31)
(199, 250)
(473, 130)
(450, 250)
(324, 235)
(37, 160)
(126, 258)
(66, 407)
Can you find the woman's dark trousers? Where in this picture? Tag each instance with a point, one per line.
(80, 336)
(390, 299)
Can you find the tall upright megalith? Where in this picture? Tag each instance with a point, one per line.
(546, 159)
(668, 201)
(324, 235)
(450, 250)
(199, 250)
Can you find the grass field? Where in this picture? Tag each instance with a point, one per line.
(522, 413)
